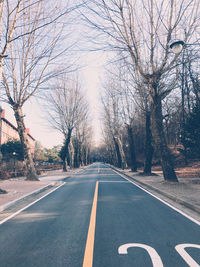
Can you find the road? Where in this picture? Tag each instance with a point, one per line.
(98, 218)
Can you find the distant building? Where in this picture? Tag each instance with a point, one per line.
(9, 132)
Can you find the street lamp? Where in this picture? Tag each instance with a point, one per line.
(14, 154)
(177, 46)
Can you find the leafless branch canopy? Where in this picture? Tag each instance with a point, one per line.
(145, 28)
(67, 107)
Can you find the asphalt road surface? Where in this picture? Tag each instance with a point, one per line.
(98, 218)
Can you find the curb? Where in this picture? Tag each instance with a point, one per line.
(173, 198)
(13, 202)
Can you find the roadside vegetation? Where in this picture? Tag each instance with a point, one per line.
(182, 140)
(150, 97)
(12, 159)
(68, 112)
(150, 91)
(29, 55)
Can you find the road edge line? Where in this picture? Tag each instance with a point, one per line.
(89, 248)
(29, 205)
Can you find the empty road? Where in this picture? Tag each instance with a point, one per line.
(97, 218)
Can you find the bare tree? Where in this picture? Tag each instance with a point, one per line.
(112, 119)
(110, 134)
(14, 14)
(32, 51)
(82, 140)
(146, 39)
(188, 90)
(67, 108)
(134, 99)
(126, 106)
(141, 97)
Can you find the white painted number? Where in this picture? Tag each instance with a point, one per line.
(187, 258)
(155, 258)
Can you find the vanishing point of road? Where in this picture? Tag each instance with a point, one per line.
(98, 218)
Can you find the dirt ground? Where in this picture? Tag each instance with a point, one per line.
(192, 170)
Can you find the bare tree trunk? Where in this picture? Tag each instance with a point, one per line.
(1, 65)
(64, 165)
(183, 111)
(160, 140)
(119, 158)
(148, 145)
(75, 156)
(30, 169)
(132, 149)
(72, 154)
(124, 164)
(67, 156)
(86, 156)
(82, 156)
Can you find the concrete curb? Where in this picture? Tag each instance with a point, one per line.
(173, 198)
(37, 191)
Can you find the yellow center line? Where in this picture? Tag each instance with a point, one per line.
(88, 257)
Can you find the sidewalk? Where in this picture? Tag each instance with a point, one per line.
(184, 195)
(18, 188)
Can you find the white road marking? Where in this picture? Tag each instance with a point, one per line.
(187, 258)
(2, 208)
(163, 201)
(29, 205)
(155, 258)
(125, 182)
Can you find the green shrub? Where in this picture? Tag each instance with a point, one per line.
(12, 149)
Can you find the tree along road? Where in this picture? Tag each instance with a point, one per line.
(98, 218)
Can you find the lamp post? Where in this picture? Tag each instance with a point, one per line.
(14, 157)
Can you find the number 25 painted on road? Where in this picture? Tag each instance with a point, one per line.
(155, 258)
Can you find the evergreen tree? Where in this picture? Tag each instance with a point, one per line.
(191, 137)
(12, 149)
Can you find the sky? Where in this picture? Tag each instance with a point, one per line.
(35, 115)
(91, 74)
